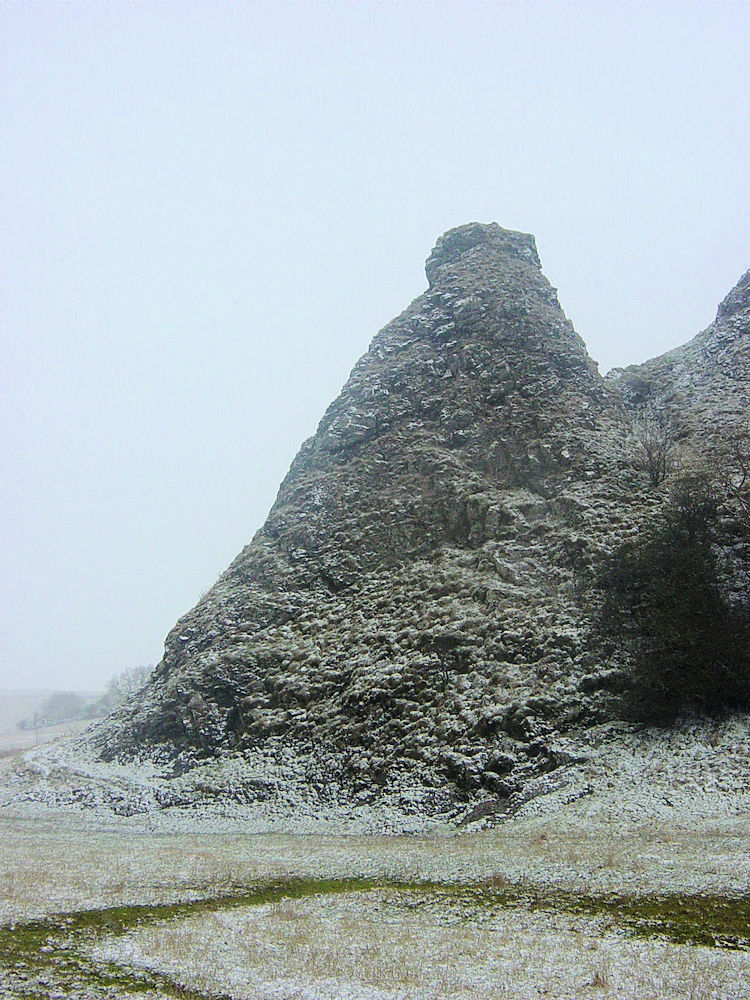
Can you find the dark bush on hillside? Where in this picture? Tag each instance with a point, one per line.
(663, 605)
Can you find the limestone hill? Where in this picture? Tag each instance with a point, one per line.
(413, 611)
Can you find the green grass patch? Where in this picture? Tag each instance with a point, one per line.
(55, 950)
(711, 920)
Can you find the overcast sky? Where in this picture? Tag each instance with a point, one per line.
(208, 212)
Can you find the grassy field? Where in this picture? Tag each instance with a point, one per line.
(536, 907)
(638, 890)
(326, 938)
(438, 941)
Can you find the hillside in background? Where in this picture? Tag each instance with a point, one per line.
(19, 709)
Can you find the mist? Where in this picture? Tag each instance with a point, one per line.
(209, 211)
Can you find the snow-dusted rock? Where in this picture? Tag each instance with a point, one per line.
(410, 615)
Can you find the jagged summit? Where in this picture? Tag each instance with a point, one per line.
(410, 612)
(475, 241)
(737, 301)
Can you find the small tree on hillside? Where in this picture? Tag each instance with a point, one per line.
(654, 444)
(122, 686)
(734, 476)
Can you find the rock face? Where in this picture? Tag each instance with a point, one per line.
(704, 385)
(412, 604)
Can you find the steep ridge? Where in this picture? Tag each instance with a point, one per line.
(704, 385)
(412, 605)
(702, 391)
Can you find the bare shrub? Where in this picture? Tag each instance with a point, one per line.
(734, 476)
(654, 448)
(123, 686)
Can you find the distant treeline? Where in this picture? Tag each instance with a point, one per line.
(70, 706)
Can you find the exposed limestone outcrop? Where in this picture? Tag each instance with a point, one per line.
(704, 385)
(412, 603)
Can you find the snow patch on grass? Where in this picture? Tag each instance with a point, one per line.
(390, 945)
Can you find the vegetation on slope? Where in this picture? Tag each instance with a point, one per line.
(665, 605)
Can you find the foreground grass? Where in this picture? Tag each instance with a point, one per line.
(111, 864)
(56, 949)
(718, 921)
(54, 954)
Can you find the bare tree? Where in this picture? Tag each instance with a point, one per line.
(734, 476)
(654, 443)
(124, 685)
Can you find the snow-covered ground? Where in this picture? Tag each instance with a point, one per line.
(387, 945)
(634, 812)
(648, 811)
(694, 772)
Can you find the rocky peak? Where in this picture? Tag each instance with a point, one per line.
(409, 609)
(702, 386)
(738, 300)
(464, 246)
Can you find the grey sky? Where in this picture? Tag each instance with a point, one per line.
(208, 211)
